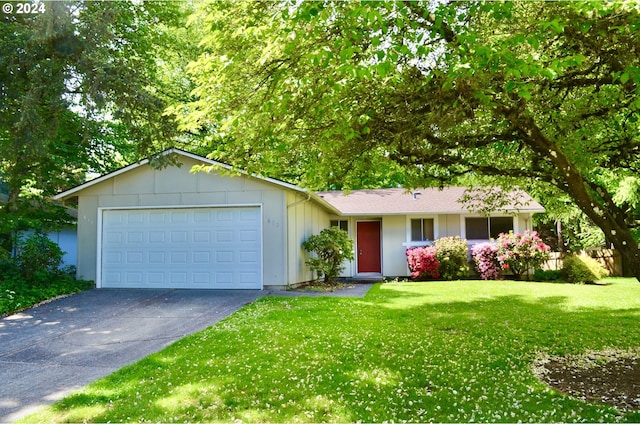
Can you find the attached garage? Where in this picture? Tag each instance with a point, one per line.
(204, 247)
(144, 226)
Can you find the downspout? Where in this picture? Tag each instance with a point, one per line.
(290, 205)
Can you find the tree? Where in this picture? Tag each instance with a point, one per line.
(528, 93)
(83, 88)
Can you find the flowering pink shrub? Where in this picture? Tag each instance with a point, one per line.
(521, 252)
(423, 262)
(485, 255)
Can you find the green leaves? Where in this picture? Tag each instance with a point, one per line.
(443, 87)
(84, 87)
(332, 247)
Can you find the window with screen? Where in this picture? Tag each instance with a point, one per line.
(422, 229)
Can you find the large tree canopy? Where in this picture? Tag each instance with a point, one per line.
(83, 87)
(534, 93)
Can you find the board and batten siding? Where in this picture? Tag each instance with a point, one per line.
(394, 259)
(146, 187)
(305, 218)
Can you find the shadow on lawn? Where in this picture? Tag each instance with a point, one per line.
(368, 359)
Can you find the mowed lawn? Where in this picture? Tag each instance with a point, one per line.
(435, 351)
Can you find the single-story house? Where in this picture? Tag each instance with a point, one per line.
(386, 222)
(141, 226)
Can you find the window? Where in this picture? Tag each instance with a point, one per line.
(477, 228)
(486, 228)
(501, 224)
(342, 224)
(422, 229)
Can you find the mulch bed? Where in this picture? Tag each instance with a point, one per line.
(611, 378)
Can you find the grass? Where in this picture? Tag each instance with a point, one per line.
(437, 351)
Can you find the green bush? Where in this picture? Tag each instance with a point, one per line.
(331, 248)
(547, 275)
(8, 269)
(35, 275)
(583, 269)
(452, 254)
(5, 255)
(37, 256)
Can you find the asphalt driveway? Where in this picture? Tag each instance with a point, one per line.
(49, 351)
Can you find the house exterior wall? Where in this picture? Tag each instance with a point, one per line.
(396, 237)
(304, 218)
(177, 186)
(524, 222)
(449, 225)
(67, 239)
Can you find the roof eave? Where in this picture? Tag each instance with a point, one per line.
(69, 193)
(452, 212)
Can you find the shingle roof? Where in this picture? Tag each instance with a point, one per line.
(396, 201)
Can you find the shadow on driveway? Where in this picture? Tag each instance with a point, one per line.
(51, 350)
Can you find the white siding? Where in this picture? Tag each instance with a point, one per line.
(394, 237)
(176, 186)
(305, 218)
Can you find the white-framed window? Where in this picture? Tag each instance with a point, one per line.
(485, 228)
(422, 229)
(343, 224)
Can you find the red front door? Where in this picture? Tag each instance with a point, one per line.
(368, 246)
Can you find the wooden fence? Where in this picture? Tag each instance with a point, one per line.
(609, 258)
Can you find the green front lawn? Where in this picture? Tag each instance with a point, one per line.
(436, 351)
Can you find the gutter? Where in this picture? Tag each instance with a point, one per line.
(290, 205)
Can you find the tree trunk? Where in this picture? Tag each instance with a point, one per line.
(593, 200)
(630, 257)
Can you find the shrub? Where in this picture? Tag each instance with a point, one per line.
(583, 269)
(452, 253)
(332, 247)
(423, 262)
(520, 253)
(37, 257)
(547, 275)
(34, 275)
(485, 256)
(8, 269)
(5, 255)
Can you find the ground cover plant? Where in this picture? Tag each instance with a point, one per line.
(16, 294)
(435, 351)
(34, 274)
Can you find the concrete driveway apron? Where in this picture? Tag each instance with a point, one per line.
(48, 351)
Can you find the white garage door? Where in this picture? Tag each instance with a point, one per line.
(213, 248)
